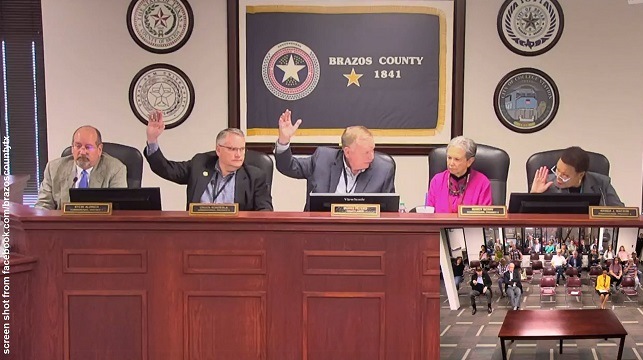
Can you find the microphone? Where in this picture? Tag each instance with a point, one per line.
(603, 198)
(74, 181)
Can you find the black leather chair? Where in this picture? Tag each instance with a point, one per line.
(262, 161)
(598, 163)
(491, 161)
(129, 156)
(386, 158)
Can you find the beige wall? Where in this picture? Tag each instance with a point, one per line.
(90, 60)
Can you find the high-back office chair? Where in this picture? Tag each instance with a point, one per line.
(131, 157)
(386, 158)
(598, 163)
(491, 161)
(263, 162)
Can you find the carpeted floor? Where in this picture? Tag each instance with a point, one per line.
(465, 336)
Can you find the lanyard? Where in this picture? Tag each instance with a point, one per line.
(214, 185)
(349, 191)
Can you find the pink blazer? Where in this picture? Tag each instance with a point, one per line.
(478, 192)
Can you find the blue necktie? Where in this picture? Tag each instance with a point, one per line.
(83, 183)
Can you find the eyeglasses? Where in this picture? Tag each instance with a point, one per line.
(87, 147)
(562, 178)
(234, 149)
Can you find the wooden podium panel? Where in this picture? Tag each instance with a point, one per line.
(153, 285)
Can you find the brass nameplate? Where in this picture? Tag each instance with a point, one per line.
(613, 212)
(214, 209)
(87, 208)
(355, 210)
(468, 210)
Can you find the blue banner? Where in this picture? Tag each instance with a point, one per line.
(381, 67)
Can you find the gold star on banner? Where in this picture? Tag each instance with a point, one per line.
(353, 78)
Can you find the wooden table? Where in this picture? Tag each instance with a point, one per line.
(561, 324)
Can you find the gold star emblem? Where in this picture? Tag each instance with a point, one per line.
(353, 78)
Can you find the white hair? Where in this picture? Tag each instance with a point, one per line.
(469, 146)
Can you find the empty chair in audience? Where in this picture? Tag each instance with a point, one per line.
(548, 288)
(573, 288)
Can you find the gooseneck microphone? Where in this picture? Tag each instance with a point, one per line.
(73, 183)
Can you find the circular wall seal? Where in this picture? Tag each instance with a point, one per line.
(530, 27)
(162, 87)
(290, 70)
(526, 100)
(160, 26)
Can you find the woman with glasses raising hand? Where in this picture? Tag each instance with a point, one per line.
(570, 175)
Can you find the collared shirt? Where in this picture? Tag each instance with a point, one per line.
(347, 181)
(78, 175)
(557, 260)
(220, 189)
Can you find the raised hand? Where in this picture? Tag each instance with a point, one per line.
(286, 128)
(155, 126)
(540, 183)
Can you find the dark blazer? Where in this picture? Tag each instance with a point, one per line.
(323, 169)
(251, 189)
(486, 279)
(516, 279)
(575, 261)
(593, 183)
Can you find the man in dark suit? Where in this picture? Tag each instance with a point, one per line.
(570, 175)
(480, 285)
(352, 169)
(218, 176)
(513, 285)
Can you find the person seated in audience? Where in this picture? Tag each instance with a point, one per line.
(570, 175)
(576, 261)
(502, 268)
(603, 287)
(483, 256)
(550, 248)
(480, 285)
(616, 273)
(536, 246)
(498, 254)
(582, 247)
(458, 272)
(87, 167)
(559, 262)
(622, 254)
(609, 253)
(354, 168)
(572, 246)
(219, 176)
(513, 286)
(637, 262)
(564, 251)
(515, 253)
(459, 184)
(631, 270)
(593, 258)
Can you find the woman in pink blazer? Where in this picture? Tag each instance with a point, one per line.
(459, 184)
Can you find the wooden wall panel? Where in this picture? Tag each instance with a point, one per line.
(225, 325)
(344, 326)
(105, 325)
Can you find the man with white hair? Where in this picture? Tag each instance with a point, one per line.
(513, 286)
(352, 169)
